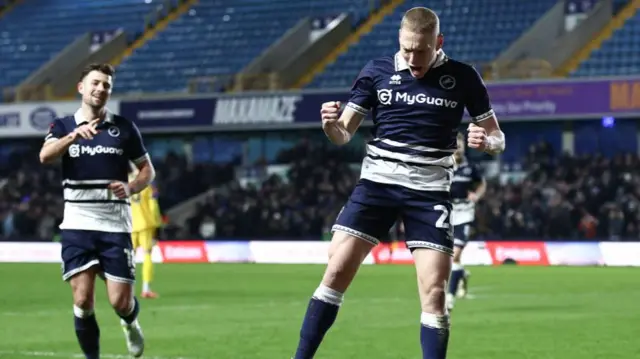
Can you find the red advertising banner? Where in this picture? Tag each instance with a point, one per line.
(523, 253)
(394, 253)
(183, 252)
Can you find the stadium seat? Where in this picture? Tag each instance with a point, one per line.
(219, 38)
(35, 31)
(476, 31)
(617, 56)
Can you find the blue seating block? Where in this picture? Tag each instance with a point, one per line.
(475, 31)
(35, 31)
(217, 38)
(617, 56)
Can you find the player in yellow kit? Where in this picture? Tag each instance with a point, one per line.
(146, 220)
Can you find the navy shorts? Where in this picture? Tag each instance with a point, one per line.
(374, 207)
(112, 252)
(461, 234)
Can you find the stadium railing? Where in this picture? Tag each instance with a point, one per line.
(531, 68)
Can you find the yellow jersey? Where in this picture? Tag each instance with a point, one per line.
(145, 210)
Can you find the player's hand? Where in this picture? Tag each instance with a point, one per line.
(86, 131)
(330, 113)
(473, 197)
(477, 137)
(120, 189)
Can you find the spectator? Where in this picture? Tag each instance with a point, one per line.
(581, 197)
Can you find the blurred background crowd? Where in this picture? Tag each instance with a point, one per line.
(548, 195)
(565, 177)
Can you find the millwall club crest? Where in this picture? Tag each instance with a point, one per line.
(447, 82)
(113, 131)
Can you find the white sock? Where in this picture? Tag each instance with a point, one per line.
(82, 313)
(146, 287)
(328, 295)
(434, 320)
(456, 267)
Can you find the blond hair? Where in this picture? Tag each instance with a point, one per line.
(421, 20)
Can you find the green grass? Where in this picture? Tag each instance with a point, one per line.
(252, 311)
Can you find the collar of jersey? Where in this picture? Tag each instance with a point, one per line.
(80, 119)
(401, 63)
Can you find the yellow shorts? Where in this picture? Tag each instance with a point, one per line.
(143, 239)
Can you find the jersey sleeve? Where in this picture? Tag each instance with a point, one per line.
(136, 151)
(363, 93)
(56, 131)
(477, 98)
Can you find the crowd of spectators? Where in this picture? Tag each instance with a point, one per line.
(302, 203)
(31, 203)
(566, 197)
(561, 197)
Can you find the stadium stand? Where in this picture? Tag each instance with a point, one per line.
(465, 24)
(302, 204)
(197, 44)
(56, 23)
(30, 194)
(285, 205)
(560, 196)
(568, 197)
(616, 55)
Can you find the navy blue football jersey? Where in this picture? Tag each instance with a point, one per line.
(466, 178)
(89, 166)
(416, 120)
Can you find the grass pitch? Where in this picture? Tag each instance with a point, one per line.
(234, 311)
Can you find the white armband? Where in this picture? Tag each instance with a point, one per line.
(495, 143)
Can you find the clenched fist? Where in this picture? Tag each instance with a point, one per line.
(330, 113)
(120, 189)
(477, 137)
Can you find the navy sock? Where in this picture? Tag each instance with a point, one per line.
(133, 315)
(434, 335)
(457, 273)
(321, 314)
(88, 332)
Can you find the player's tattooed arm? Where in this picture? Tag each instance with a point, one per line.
(54, 147)
(486, 136)
(339, 128)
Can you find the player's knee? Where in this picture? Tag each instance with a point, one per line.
(82, 295)
(433, 298)
(121, 303)
(121, 299)
(340, 272)
(338, 275)
(83, 302)
(82, 288)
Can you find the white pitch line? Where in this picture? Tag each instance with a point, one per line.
(37, 354)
